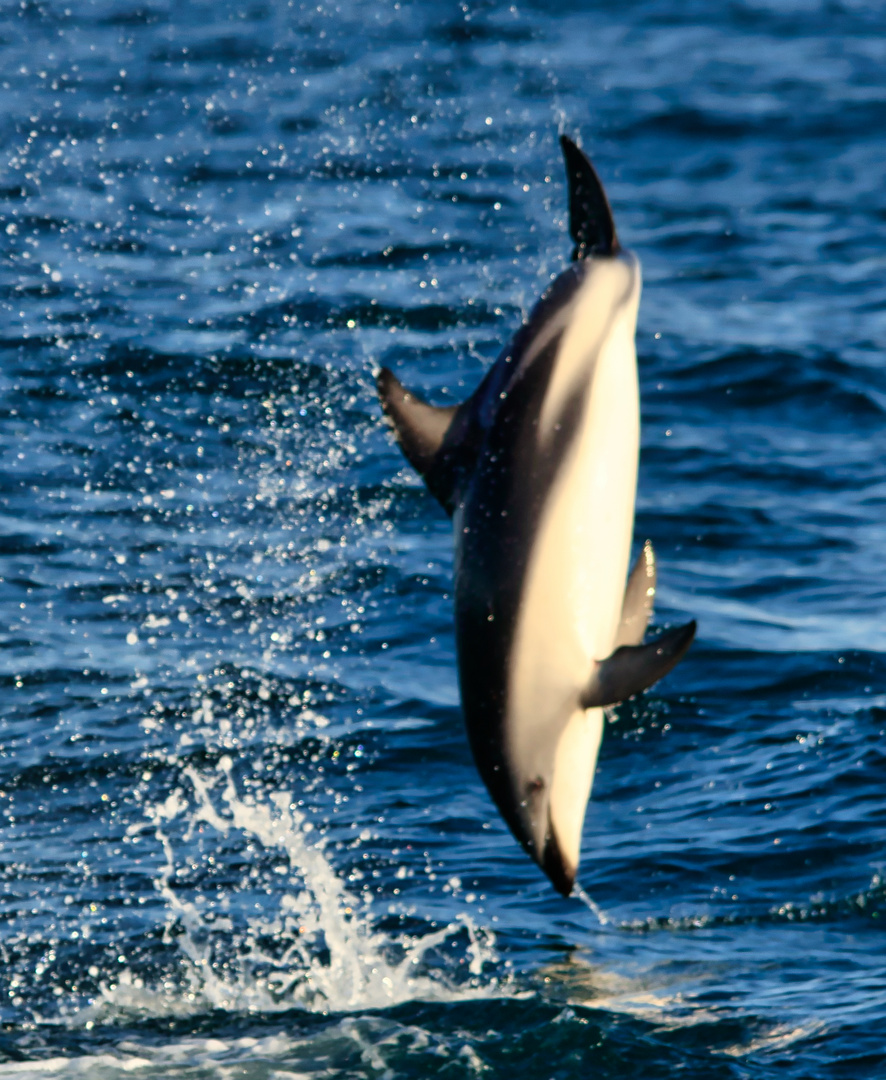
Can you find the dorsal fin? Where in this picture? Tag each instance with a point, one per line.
(590, 219)
(636, 610)
(420, 428)
(441, 442)
(634, 668)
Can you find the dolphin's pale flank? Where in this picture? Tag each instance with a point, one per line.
(538, 469)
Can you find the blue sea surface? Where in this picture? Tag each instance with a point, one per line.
(241, 833)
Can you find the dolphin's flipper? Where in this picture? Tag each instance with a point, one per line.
(633, 668)
(590, 219)
(636, 610)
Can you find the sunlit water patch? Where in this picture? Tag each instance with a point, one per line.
(252, 946)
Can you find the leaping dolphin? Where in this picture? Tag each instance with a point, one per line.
(538, 469)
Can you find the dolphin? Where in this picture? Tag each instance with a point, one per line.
(538, 469)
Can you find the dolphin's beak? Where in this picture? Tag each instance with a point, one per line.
(540, 841)
(555, 865)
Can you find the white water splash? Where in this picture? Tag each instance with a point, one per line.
(591, 904)
(326, 954)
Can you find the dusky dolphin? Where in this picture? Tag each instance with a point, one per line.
(538, 469)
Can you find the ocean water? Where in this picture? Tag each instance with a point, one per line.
(241, 834)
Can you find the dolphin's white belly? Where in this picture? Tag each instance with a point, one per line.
(571, 602)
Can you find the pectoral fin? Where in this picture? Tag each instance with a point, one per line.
(633, 668)
(636, 610)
